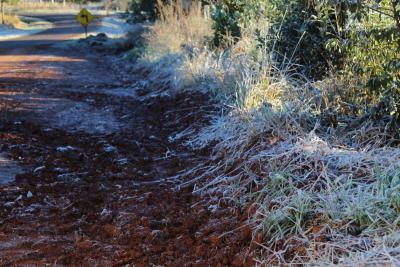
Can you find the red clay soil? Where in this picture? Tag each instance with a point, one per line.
(102, 198)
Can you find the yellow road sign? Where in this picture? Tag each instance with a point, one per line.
(84, 17)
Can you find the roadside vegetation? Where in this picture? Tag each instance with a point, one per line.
(307, 138)
(47, 6)
(65, 6)
(9, 10)
(11, 20)
(7, 18)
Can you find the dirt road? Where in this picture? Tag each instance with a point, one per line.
(64, 28)
(100, 170)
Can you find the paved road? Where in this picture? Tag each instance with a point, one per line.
(65, 28)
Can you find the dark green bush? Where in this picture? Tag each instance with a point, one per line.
(299, 30)
(359, 40)
(302, 30)
(370, 45)
(227, 16)
(144, 9)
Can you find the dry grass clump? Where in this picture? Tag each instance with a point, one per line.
(173, 40)
(12, 20)
(320, 194)
(178, 27)
(25, 23)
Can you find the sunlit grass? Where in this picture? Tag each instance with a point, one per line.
(12, 20)
(323, 194)
(57, 7)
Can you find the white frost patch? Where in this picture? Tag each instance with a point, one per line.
(315, 147)
(34, 26)
(65, 148)
(177, 136)
(9, 204)
(114, 27)
(39, 169)
(82, 117)
(337, 161)
(8, 170)
(110, 148)
(11, 33)
(127, 92)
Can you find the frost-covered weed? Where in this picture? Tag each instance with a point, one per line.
(323, 195)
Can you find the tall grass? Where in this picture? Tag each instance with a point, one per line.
(320, 193)
(12, 20)
(176, 38)
(49, 6)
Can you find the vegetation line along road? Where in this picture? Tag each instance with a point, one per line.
(25, 25)
(215, 133)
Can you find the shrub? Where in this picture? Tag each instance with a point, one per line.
(144, 9)
(299, 30)
(228, 16)
(369, 43)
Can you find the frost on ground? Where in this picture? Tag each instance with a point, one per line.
(84, 191)
(314, 193)
(112, 30)
(29, 26)
(114, 27)
(81, 117)
(8, 169)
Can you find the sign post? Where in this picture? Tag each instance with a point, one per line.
(84, 17)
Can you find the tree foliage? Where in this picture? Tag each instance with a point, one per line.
(227, 15)
(144, 8)
(368, 38)
(358, 40)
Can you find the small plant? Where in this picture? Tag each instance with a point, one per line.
(281, 217)
(367, 38)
